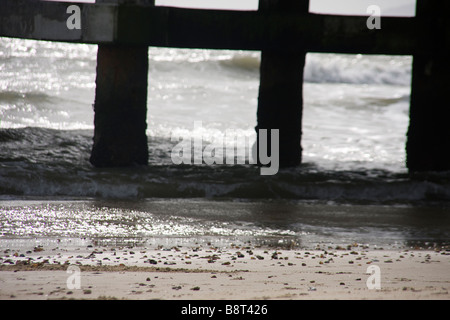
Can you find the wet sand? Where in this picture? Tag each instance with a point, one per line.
(231, 272)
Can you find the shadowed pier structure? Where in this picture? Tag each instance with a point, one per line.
(283, 30)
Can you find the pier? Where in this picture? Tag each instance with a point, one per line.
(283, 30)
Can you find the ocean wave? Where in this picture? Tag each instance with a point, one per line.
(48, 163)
(212, 183)
(358, 69)
(319, 67)
(246, 62)
(338, 68)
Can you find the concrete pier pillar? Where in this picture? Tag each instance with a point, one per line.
(120, 106)
(428, 144)
(280, 99)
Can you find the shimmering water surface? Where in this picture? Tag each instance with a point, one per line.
(352, 186)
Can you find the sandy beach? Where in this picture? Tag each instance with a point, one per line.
(232, 272)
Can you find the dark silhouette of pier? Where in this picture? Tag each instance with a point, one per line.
(283, 30)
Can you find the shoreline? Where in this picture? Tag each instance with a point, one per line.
(234, 272)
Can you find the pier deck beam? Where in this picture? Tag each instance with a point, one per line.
(280, 100)
(120, 106)
(428, 144)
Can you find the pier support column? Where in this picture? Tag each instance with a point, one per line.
(280, 100)
(120, 106)
(428, 144)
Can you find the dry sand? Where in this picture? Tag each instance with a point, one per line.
(234, 272)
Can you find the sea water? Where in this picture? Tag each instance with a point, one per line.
(352, 186)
